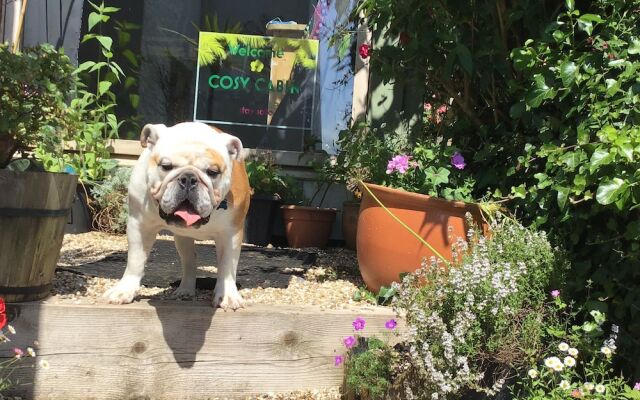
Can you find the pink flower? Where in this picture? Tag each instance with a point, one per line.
(365, 50)
(339, 360)
(555, 293)
(18, 352)
(349, 341)
(399, 163)
(458, 161)
(442, 109)
(390, 324)
(428, 106)
(359, 323)
(636, 386)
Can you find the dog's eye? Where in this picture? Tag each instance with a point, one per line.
(213, 173)
(166, 167)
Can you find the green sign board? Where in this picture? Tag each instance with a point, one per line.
(259, 88)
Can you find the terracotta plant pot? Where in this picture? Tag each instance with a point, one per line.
(350, 211)
(308, 226)
(386, 249)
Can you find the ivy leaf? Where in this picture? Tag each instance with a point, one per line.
(563, 195)
(598, 158)
(568, 71)
(609, 191)
(539, 93)
(612, 86)
(464, 55)
(627, 150)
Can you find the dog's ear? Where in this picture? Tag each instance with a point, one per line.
(150, 134)
(234, 145)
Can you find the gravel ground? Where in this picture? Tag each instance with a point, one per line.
(330, 282)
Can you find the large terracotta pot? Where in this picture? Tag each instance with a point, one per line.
(308, 226)
(386, 249)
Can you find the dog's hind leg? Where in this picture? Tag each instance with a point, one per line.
(187, 251)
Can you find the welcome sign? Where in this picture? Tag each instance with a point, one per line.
(259, 88)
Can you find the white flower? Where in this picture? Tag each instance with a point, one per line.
(563, 346)
(551, 362)
(606, 351)
(600, 388)
(573, 352)
(44, 364)
(588, 386)
(564, 385)
(31, 352)
(569, 361)
(11, 329)
(615, 328)
(558, 367)
(533, 374)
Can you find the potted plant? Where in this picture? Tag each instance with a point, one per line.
(267, 186)
(60, 140)
(415, 190)
(307, 225)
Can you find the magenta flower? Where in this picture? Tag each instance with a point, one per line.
(458, 161)
(339, 360)
(555, 293)
(18, 352)
(636, 386)
(359, 323)
(365, 50)
(399, 163)
(349, 341)
(390, 324)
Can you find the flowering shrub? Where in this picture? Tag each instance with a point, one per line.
(577, 367)
(471, 325)
(368, 361)
(426, 166)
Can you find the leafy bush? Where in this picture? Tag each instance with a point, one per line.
(369, 368)
(472, 324)
(110, 201)
(264, 175)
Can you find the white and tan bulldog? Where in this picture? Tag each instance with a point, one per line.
(191, 180)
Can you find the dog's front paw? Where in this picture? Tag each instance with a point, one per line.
(123, 292)
(184, 292)
(226, 296)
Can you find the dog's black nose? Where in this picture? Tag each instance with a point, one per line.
(188, 181)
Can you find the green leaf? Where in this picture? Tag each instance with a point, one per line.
(110, 9)
(103, 87)
(135, 100)
(94, 18)
(612, 86)
(519, 192)
(563, 195)
(464, 55)
(627, 150)
(105, 41)
(634, 47)
(345, 44)
(568, 71)
(539, 93)
(609, 191)
(84, 66)
(570, 4)
(599, 157)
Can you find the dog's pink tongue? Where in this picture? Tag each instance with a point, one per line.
(188, 216)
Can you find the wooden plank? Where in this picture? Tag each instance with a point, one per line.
(180, 350)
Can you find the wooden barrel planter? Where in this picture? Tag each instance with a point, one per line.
(34, 208)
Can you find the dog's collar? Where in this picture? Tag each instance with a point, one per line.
(222, 205)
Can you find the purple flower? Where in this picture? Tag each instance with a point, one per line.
(636, 386)
(390, 324)
(399, 163)
(338, 360)
(458, 161)
(555, 293)
(349, 341)
(359, 323)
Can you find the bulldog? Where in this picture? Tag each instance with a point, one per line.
(190, 179)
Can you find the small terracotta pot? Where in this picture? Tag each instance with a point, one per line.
(386, 249)
(308, 226)
(350, 211)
